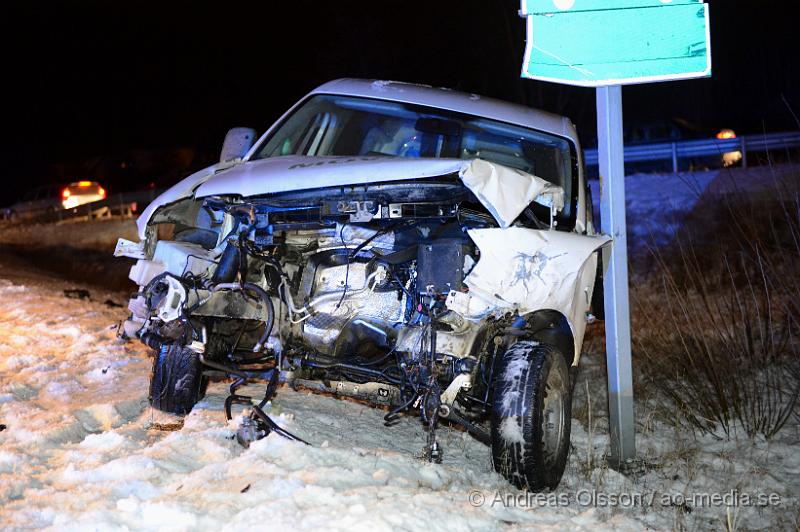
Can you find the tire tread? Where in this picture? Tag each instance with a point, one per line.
(175, 382)
(522, 462)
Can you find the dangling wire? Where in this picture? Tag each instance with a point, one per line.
(347, 267)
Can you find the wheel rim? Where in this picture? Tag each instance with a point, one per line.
(553, 416)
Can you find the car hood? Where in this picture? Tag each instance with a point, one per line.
(504, 191)
(290, 173)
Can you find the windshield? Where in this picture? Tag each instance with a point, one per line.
(349, 126)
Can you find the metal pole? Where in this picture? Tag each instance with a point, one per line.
(743, 141)
(617, 323)
(674, 157)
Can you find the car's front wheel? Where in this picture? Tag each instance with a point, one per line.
(176, 380)
(531, 415)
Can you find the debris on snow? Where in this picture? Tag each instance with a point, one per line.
(77, 293)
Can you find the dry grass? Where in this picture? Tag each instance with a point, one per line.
(718, 322)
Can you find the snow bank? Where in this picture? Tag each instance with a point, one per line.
(656, 204)
(100, 235)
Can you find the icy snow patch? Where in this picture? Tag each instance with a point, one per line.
(102, 442)
(511, 430)
(8, 461)
(511, 376)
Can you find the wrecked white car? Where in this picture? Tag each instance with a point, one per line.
(422, 249)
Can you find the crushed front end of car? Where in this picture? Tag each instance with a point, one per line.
(425, 250)
(400, 292)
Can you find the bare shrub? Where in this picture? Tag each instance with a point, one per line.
(726, 348)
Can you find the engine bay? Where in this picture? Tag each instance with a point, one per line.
(378, 292)
(350, 290)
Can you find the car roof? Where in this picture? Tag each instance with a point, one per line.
(451, 100)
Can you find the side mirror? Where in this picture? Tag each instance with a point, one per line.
(238, 142)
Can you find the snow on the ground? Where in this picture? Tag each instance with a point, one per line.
(655, 204)
(681, 470)
(81, 451)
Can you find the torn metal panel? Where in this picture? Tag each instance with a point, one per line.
(293, 173)
(127, 248)
(524, 270)
(181, 190)
(527, 269)
(506, 192)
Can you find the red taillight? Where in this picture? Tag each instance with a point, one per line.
(65, 193)
(101, 191)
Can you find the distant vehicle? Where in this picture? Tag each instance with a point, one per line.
(49, 200)
(80, 193)
(732, 157)
(39, 201)
(676, 130)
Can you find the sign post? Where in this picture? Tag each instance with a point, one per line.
(606, 44)
(615, 281)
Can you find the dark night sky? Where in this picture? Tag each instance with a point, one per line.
(91, 78)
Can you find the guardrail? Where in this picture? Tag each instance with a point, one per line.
(686, 149)
(121, 204)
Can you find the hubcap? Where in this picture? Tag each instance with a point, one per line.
(553, 416)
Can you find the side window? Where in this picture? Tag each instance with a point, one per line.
(317, 135)
(312, 132)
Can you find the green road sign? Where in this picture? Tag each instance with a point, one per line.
(540, 7)
(596, 43)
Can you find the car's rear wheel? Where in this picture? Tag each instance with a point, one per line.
(176, 382)
(531, 415)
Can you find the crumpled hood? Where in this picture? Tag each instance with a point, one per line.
(504, 191)
(290, 173)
